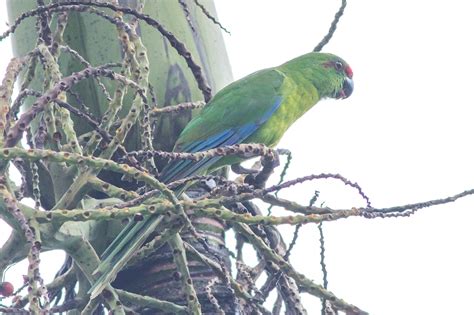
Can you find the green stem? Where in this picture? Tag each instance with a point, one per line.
(150, 302)
(86, 258)
(179, 255)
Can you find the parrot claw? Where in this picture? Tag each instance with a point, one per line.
(255, 181)
(259, 179)
(239, 169)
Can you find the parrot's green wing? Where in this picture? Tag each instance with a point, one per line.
(233, 115)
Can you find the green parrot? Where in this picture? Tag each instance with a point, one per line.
(258, 108)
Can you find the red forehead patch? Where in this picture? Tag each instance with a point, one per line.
(348, 71)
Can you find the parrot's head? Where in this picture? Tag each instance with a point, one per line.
(330, 74)
(339, 75)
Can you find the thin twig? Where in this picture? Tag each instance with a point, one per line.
(283, 172)
(332, 28)
(210, 16)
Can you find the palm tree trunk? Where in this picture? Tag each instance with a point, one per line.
(172, 82)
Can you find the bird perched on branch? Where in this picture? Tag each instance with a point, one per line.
(258, 108)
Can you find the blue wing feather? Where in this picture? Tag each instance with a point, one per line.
(184, 168)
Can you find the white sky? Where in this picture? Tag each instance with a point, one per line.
(404, 135)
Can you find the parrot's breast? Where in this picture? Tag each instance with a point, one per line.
(298, 97)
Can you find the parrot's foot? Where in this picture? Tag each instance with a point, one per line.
(259, 180)
(239, 169)
(255, 181)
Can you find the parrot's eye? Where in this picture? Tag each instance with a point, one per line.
(338, 66)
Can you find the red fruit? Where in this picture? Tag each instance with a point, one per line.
(6, 289)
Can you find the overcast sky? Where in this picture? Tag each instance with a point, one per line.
(405, 135)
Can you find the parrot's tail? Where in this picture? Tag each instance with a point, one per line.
(121, 250)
